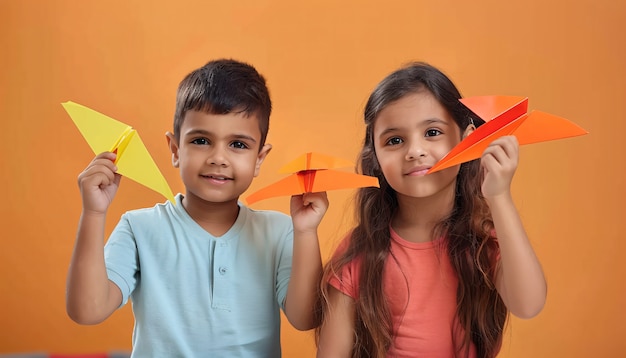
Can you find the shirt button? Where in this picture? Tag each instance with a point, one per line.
(222, 270)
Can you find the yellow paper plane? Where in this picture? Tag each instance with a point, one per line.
(133, 160)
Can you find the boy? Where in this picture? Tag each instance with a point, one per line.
(207, 276)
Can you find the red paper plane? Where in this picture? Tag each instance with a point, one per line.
(506, 115)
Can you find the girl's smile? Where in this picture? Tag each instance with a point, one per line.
(420, 170)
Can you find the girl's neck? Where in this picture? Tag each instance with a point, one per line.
(215, 218)
(416, 218)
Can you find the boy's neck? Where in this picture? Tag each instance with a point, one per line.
(215, 218)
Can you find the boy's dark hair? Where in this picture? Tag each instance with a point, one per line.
(224, 86)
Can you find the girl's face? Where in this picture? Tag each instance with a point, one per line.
(410, 136)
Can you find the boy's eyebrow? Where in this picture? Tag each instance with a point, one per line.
(245, 137)
(207, 133)
(194, 132)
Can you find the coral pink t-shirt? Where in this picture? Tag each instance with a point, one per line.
(421, 287)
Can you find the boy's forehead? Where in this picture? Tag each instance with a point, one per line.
(236, 122)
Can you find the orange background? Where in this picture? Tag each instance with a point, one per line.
(321, 59)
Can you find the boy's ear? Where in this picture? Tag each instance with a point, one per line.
(261, 157)
(173, 144)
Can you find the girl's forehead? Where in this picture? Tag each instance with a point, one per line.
(412, 109)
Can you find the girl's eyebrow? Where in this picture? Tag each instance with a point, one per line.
(387, 131)
(436, 120)
(426, 122)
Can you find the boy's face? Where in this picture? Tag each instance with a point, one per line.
(217, 154)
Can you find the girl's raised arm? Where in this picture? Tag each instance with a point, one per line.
(519, 279)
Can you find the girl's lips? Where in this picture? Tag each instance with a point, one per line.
(418, 171)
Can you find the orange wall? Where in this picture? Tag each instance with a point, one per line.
(125, 58)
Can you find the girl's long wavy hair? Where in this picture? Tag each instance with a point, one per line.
(468, 228)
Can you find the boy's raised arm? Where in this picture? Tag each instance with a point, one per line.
(307, 211)
(90, 296)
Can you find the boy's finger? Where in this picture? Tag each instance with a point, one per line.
(106, 155)
(117, 178)
(93, 174)
(100, 167)
(318, 200)
(103, 162)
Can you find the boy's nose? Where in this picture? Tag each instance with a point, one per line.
(218, 157)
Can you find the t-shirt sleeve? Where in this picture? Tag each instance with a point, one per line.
(284, 258)
(121, 258)
(346, 278)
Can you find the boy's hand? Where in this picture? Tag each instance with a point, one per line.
(499, 162)
(98, 183)
(307, 210)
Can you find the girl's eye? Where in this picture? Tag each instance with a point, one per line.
(200, 141)
(239, 145)
(433, 132)
(394, 141)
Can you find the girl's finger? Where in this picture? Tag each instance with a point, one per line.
(508, 143)
(497, 152)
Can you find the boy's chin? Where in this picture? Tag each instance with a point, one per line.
(208, 199)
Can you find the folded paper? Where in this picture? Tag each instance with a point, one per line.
(311, 173)
(133, 160)
(506, 115)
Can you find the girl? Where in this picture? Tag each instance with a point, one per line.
(422, 274)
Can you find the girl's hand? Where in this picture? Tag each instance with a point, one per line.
(98, 183)
(499, 162)
(307, 211)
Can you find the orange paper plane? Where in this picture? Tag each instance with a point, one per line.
(506, 115)
(311, 173)
(133, 160)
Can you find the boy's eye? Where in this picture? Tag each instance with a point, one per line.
(200, 141)
(239, 145)
(433, 132)
(394, 141)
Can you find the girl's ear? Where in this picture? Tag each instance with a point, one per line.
(469, 129)
(173, 144)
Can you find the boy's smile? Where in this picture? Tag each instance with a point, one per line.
(217, 178)
(218, 155)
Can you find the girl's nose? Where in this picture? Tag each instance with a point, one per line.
(416, 150)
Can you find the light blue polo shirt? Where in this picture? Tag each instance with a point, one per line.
(196, 295)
